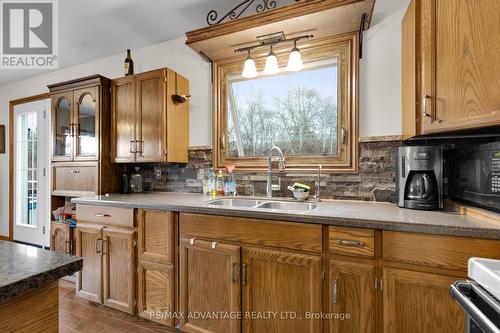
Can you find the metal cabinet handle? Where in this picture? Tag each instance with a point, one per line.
(98, 245)
(334, 291)
(74, 171)
(133, 146)
(234, 278)
(102, 215)
(68, 249)
(244, 274)
(350, 242)
(102, 247)
(424, 106)
(140, 150)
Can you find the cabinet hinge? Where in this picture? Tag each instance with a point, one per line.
(44, 114)
(135, 243)
(381, 285)
(43, 230)
(44, 172)
(375, 283)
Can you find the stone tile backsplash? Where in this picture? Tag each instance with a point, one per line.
(375, 181)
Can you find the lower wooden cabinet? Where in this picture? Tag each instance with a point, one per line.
(119, 276)
(61, 238)
(89, 279)
(108, 274)
(285, 283)
(420, 302)
(156, 297)
(209, 283)
(352, 290)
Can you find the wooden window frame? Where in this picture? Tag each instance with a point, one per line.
(347, 161)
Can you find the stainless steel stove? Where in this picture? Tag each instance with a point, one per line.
(480, 296)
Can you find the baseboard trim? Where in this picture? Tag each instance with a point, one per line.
(4, 238)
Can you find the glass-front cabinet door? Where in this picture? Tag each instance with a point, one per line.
(62, 123)
(86, 126)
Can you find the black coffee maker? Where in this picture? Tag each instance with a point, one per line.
(419, 179)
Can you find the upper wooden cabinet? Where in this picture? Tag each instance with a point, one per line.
(451, 67)
(80, 133)
(146, 125)
(79, 109)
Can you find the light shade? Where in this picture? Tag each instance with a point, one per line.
(249, 69)
(271, 64)
(295, 61)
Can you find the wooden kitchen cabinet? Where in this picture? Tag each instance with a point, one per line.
(89, 247)
(80, 137)
(157, 251)
(146, 125)
(283, 282)
(451, 68)
(61, 238)
(119, 273)
(420, 302)
(209, 282)
(352, 289)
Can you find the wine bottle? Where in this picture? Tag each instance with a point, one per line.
(129, 64)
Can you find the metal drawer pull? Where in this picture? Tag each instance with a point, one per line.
(350, 242)
(102, 215)
(234, 279)
(213, 245)
(244, 273)
(74, 171)
(334, 291)
(191, 241)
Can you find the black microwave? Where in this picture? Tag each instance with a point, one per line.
(474, 175)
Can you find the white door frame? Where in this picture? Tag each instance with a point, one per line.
(40, 233)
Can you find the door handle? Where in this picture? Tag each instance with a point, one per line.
(424, 106)
(244, 274)
(334, 291)
(234, 279)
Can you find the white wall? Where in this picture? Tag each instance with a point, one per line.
(380, 88)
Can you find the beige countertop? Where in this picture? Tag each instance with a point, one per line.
(376, 215)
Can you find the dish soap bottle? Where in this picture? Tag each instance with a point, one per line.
(136, 181)
(220, 183)
(230, 188)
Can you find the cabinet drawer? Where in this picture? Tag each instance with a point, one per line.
(106, 215)
(436, 251)
(352, 241)
(289, 235)
(75, 179)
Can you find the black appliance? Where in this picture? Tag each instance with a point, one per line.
(474, 175)
(419, 179)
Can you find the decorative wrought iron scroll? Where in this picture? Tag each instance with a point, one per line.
(236, 12)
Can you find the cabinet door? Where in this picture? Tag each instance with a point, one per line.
(460, 64)
(62, 126)
(420, 302)
(352, 290)
(151, 116)
(156, 292)
(89, 246)
(209, 282)
(60, 240)
(123, 118)
(284, 283)
(119, 273)
(156, 236)
(86, 102)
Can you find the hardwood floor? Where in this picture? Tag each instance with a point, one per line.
(79, 315)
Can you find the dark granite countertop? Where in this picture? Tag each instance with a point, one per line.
(24, 267)
(375, 215)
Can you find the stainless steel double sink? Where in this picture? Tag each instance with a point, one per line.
(263, 204)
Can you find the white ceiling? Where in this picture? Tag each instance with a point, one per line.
(94, 29)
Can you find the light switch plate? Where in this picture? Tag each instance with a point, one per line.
(157, 172)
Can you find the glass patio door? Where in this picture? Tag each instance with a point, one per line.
(31, 217)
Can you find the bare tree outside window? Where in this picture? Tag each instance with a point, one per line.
(295, 111)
